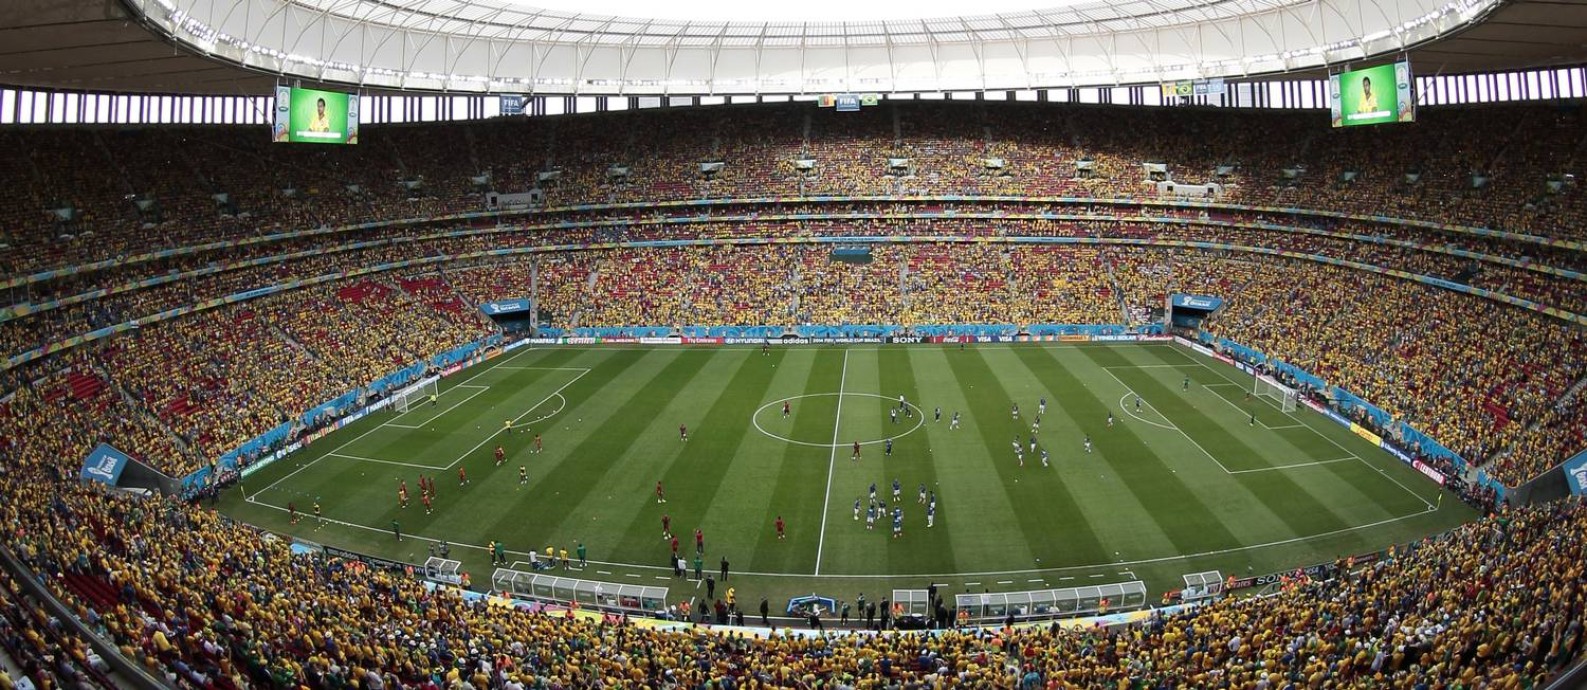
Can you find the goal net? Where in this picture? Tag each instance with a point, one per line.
(415, 394)
(1268, 388)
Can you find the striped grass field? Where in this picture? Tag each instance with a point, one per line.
(1186, 483)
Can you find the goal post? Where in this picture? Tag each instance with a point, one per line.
(415, 394)
(1267, 387)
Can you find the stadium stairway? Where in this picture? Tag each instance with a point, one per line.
(1118, 292)
(182, 406)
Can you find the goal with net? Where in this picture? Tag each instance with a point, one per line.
(415, 394)
(1267, 387)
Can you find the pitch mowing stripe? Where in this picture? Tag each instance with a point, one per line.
(1122, 523)
(1178, 511)
(1227, 407)
(577, 453)
(920, 549)
(625, 493)
(370, 497)
(1057, 530)
(1354, 487)
(1241, 512)
(850, 548)
(440, 442)
(987, 535)
(1377, 495)
(314, 482)
(733, 518)
(985, 539)
(800, 482)
(1296, 505)
(697, 469)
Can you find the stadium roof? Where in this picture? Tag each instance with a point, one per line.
(514, 46)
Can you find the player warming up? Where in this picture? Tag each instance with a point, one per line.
(683, 432)
(786, 409)
(523, 475)
(501, 456)
(1088, 444)
(856, 455)
(537, 444)
(781, 531)
(661, 494)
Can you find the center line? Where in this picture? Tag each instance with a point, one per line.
(831, 461)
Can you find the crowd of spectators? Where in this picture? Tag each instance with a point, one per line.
(1495, 603)
(92, 195)
(203, 602)
(211, 409)
(1473, 374)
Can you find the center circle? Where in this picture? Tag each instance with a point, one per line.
(920, 420)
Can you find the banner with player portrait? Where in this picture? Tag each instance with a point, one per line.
(1371, 96)
(316, 117)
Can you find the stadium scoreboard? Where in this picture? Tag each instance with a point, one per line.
(1371, 96)
(315, 117)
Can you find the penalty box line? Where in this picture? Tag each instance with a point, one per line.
(449, 408)
(1329, 439)
(1175, 427)
(337, 450)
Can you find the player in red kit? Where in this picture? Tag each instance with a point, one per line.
(780, 533)
(501, 456)
(856, 455)
(462, 477)
(786, 409)
(666, 527)
(674, 546)
(425, 499)
(699, 541)
(537, 443)
(661, 496)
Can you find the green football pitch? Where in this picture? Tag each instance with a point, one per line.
(1183, 482)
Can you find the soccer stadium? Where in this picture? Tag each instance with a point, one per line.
(510, 344)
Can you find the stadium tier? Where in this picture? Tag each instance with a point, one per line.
(202, 300)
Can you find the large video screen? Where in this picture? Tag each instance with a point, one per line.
(1372, 96)
(316, 117)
